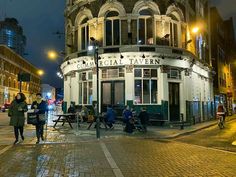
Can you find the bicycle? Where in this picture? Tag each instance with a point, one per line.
(220, 121)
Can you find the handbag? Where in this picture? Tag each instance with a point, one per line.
(32, 118)
(90, 118)
(42, 118)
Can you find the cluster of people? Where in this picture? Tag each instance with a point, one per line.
(17, 117)
(129, 120)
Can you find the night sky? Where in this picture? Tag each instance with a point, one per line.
(41, 18)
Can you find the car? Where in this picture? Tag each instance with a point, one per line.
(5, 107)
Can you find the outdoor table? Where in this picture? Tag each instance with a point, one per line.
(66, 119)
(101, 120)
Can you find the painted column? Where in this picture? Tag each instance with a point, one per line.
(67, 89)
(75, 89)
(129, 84)
(162, 87)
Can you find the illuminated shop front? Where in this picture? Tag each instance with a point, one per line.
(145, 59)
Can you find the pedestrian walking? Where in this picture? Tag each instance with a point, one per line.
(40, 108)
(17, 117)
(144, 118)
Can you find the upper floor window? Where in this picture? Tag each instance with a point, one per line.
(145, 27)
(84, 34)
(112, 27)
(174, 29)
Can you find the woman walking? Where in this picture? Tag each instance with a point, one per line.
(40, 108)
(16, 112)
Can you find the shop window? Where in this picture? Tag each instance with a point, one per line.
(112, 27)
(85, 88)
(113, 73)
(174, 73)
(145, 86)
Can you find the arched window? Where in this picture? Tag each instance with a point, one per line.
(145, 27)
(174, 30)
(112, 27)
(84, 34)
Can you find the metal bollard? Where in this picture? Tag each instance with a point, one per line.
(182, 121)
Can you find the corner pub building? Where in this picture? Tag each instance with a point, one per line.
(148, 56)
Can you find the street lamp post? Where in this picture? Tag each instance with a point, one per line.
(96, 57)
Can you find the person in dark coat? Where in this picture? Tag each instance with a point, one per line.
(40, 108)
(110, 117)
(128, 120)
(144, 118)
(16, 112)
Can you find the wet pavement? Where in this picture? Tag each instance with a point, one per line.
(72, 152)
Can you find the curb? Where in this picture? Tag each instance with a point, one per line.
(192, 131)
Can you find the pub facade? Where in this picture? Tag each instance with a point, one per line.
(147, 55)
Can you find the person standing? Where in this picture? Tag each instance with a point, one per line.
(144, 118)
(128, 120)
(40, 108)
(17, 117)
(110, 117)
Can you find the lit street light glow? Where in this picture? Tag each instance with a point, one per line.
(52, 54)
(195, 29)
(40, 72)
(234, 143)
(90, 48)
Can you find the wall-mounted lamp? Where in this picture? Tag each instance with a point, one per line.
(180, 58)
(162, 57)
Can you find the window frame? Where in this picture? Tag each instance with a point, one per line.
(149, 79)
(112, 19)
(81, 84)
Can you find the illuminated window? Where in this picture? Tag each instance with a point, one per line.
(112, 27)
(85, 88)
(84, 33)
(145, 86)
(145, 27)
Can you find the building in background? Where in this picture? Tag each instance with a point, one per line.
(48, 92)
(11, 64)
(11, 35)
(59, 94)
(223, 56)
(151, 53)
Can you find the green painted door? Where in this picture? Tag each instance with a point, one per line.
(174, 101)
